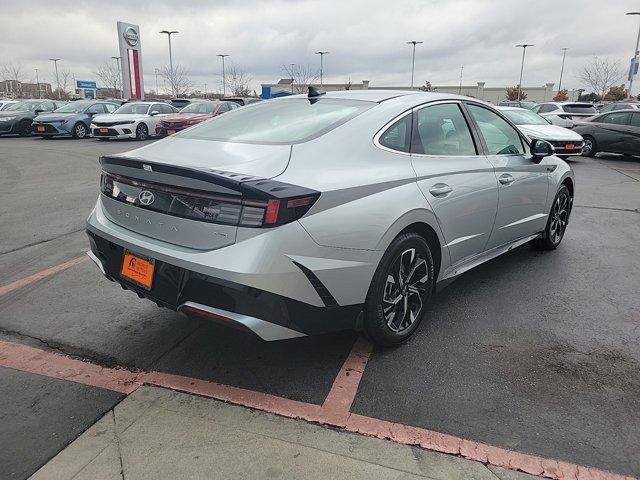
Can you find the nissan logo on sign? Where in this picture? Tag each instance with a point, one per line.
(130, 36)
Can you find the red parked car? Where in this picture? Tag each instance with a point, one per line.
(193, 113)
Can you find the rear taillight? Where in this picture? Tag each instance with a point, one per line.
(275, 211)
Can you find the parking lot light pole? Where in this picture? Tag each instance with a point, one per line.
(635, 56)
(564, 54)
(413, 58)
(524, 49)
(38, 85)
(224, 77)
(156, 72)
(460, 85)
(292, 77)
(322, 54)
(117, 59)
(168, 33)
(55, 62)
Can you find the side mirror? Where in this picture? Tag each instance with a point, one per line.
(154, 113)
(38, 111)
(541, 149)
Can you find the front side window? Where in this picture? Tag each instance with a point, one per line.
(97, 108)
(279, 122)
(398, 135)
(500, 137)
(442, 130)
(110, 107)
(616, 118)
(635, 120)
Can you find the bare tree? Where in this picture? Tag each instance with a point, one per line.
(238, 81)
(65, 79)
(178, 79)
(13, 71)
(601, 74)
(109, 75)
(302, 76)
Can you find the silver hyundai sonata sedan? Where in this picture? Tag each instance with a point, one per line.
(323, 212)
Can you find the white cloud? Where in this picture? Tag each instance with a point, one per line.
(366, 38)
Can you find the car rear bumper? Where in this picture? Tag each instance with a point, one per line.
(257, 284)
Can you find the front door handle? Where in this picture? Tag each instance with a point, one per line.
(506, 179)
(440, 190)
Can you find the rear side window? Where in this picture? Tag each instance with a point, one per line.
(616, 118)
(110, 107)
(500, 137)
(398, 135)
(279, 122)
(442, 130)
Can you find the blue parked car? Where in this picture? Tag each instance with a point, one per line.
(73, 119)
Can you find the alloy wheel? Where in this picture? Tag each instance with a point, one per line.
(404, 290)
(81, 130)
(559, 217)
(587, 147)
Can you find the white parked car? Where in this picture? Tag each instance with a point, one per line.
(565, 141)
(131, 120)
(564, 114)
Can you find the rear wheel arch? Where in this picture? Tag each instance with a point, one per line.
(430, 235)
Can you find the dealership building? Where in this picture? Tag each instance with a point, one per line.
(480, 91)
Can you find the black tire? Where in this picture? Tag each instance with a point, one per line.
(388, 319)
(557, 221)
(590, 147)
(24, 128)
(79, 131)
(142, 132)
(103, 139)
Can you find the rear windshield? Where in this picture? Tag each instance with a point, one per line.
(279, 122)
(590, 109)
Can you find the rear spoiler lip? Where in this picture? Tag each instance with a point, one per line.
(209, 180)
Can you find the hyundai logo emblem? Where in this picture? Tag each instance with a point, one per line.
(146, 197)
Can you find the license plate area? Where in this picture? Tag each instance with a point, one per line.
(170, 132)
(138, 269)
(570, 146)
(40, 128)
(104, 130)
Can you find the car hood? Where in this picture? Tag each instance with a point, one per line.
(549, 132)
(52, 117)
(266, 161)
(110, 117)
(184, 117)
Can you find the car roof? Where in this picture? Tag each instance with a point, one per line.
(505, 107)
(384, 95)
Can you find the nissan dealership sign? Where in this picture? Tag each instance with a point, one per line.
(131, 60)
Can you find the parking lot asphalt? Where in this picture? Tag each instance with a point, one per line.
(534, 352)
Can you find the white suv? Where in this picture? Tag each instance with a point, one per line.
(563, 114)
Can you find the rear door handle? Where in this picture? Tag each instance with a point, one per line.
(506, 179)
(440, 190)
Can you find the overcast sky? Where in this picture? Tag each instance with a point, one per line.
(365, 38)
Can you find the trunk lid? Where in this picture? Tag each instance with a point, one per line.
(192, 193)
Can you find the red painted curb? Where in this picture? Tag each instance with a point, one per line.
(54, 365)
(337, 405)
(331, 413)
(10, 287)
